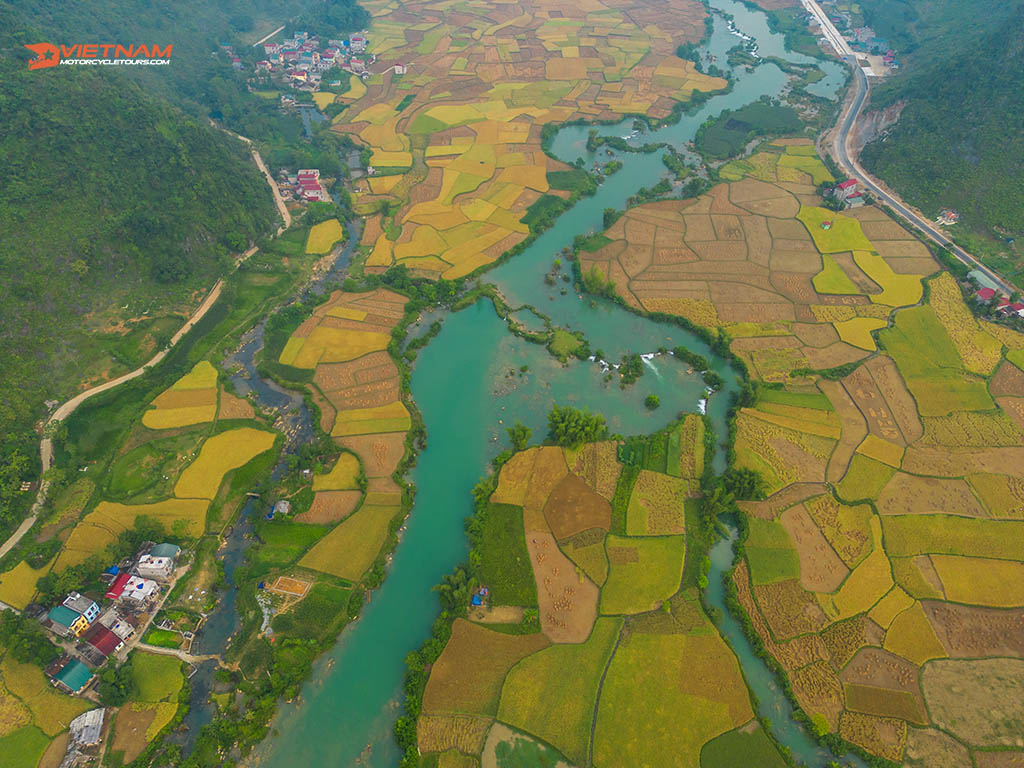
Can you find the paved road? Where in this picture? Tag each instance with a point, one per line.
(848, 162)
(189, 657)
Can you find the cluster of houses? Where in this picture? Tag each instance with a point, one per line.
(94, 632)
(302, 62)
(848, 193)
(1001, 303)
(303, 185)
(861, 40)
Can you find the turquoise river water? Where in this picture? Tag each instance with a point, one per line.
(467, 385)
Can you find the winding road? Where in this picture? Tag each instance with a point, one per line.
(849, 163)
(67, 408)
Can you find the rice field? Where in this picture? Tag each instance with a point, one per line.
(18, 585)
(539, 698)
(469, 674)
(51, 710)
(668, 694)
(656, 505)
(219, 455)
(352, 546)
(342, 476)
(323, 236)
(192, 399)
(643, 572)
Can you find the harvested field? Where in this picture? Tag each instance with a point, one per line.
(1008, 381)
(912, 495)
(573, 507)
(232, 407)
(883, 736)
(970, 632)
(644, 572)
(852, 430)
(878, 683)
(789, 609)
(954, 688)
(539, 698)
(911, 636)
(466, 733)
(668, 694)
(656, 505)
(819, 692)
(567, 601)
(51, 710)
(598, 465)
(330, 507)
(219, 455)
(847, 528)
(999, 759)
(380, 453)
(917, 576)
(927, 747)
(468, 676)
(351, 547)
(821, 569)
(130, 728)
(845, 638)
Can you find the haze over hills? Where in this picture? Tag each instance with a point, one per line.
(960, 140)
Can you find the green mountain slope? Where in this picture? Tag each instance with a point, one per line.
(960, 140)
(112, 204)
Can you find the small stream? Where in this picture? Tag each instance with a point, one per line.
(294, 421)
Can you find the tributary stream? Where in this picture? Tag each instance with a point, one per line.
(469, 386)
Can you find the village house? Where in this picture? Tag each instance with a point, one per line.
(357, 43)
(158, 563)
(69, 674)
(73, 616)
(844, 189)
(139, 590)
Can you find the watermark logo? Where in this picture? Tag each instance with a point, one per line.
(47, 55)
(105, 54)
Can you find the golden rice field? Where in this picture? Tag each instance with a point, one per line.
(342, 476)
(324, 235)
(18, 585)
(192, 399)
(219, 455)
(352, 546)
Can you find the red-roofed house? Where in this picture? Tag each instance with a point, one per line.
(985, 294)
(845, 190)
(117, 587)
(103, 639)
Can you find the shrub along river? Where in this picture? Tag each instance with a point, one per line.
(469, 386)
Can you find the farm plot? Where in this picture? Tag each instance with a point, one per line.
(158, 680)
(342, 476)
(668, 694)
(771, 555)
(352, 546)
(323, 236)
(643, 572)
(192, 399)
(656, 505)
(981, 702)
(539, 698)
(567, 600)
(573, 507)
(748, 745)
(219, 455)
(51, 711)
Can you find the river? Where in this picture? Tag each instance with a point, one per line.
(469, 387)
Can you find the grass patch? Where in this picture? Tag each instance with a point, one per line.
(746, 746)
(164, 638)
(282, 543)
(770, 553)
(23, 748)
(500, 540)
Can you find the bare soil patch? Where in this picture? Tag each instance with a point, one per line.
(853, 427)
(927, 747)
(130, 730)
(573, 507)
(1008, 381)
(821, 569)
(979, 701)
(894, 390)
(967, 631)
(567, 601)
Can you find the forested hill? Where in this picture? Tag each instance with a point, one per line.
(960, 140)
(109, 197)
(197, 81)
